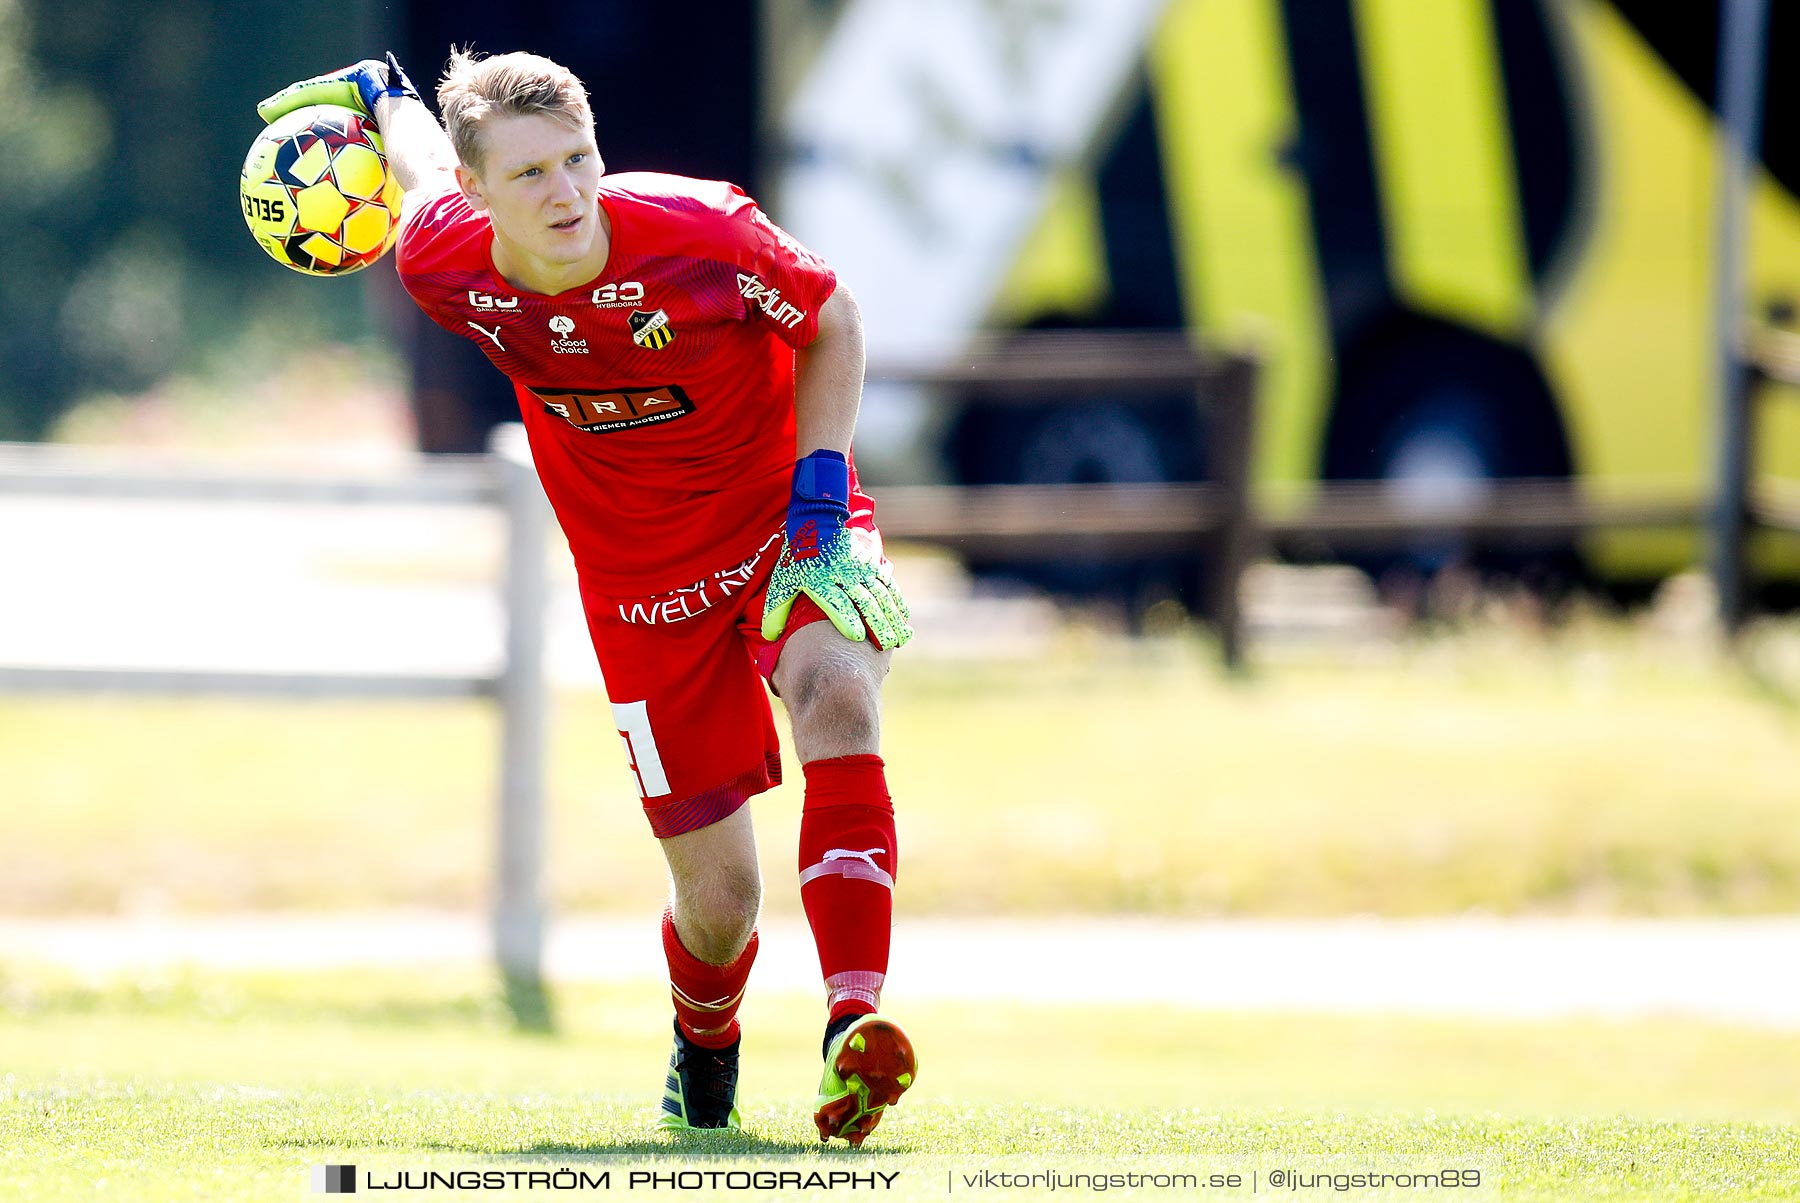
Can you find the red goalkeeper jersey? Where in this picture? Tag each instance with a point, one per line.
(659, 396)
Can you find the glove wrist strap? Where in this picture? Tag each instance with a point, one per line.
(823, 476)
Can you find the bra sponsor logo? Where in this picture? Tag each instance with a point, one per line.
(602, 411)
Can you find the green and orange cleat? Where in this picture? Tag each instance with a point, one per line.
(868, 1066)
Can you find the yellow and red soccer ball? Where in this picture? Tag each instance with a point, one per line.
(318, 193)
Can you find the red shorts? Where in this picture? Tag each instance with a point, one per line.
(685, 672)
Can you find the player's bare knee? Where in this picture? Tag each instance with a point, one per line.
(719, 943)
(828, 673)
(716, 914)
(836, 699)
(816, 653)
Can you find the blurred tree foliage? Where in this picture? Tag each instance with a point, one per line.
(123, 256)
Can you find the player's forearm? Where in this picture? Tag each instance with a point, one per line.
(418, 150)
(828, 378)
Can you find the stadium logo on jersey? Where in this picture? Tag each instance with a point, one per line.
(783, 313)
(484, 301)
(602, 411)
(651, 330)
(612, 296)
(561, 326)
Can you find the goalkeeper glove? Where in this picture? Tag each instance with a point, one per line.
(835, 565)
(357, 86)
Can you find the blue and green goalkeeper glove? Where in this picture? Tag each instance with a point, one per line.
(835, 565)
(357, 86)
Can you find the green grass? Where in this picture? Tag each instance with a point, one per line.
(219, 1087)
(1603, 769)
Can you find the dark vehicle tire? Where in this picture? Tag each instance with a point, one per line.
(1438, 414)
(1093, 441)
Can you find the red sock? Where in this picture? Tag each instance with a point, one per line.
(848, 857)
(706, 996)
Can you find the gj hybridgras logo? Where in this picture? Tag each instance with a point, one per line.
(334, 1179)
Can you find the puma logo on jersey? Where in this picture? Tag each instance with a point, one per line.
(493, 334)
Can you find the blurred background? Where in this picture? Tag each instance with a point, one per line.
(1461, 245)
(1344, 460)
(1472, 242)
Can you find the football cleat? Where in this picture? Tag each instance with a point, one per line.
(701, 1089)
(867, 1068)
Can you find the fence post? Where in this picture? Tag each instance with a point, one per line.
(1231, 403)
(519, 896)
(1742, 48)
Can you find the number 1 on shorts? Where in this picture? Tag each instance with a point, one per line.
(633, 722)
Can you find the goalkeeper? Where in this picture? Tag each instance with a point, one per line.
(689, 377)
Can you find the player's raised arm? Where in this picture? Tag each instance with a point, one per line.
(417, 148)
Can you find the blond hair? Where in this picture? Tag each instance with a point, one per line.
(476, 87)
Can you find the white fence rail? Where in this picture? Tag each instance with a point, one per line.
(504, 479)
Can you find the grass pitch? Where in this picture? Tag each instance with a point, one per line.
(1598, 770)
(229, 1087)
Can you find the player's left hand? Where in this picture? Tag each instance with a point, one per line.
(835, 565)
(357, 86)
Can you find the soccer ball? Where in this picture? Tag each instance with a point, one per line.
(317, 191)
